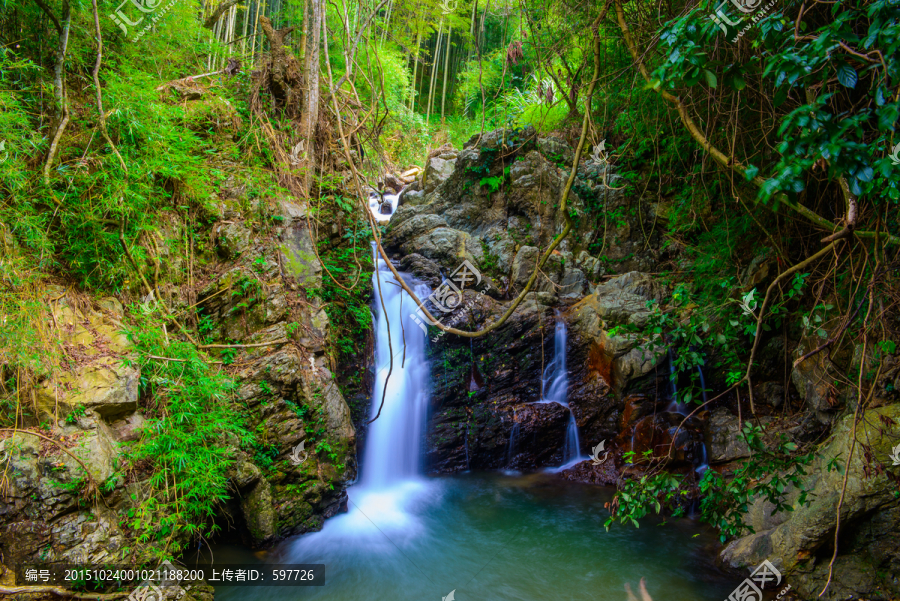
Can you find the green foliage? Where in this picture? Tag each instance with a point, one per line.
(191, 414)
(264, 454)
(768, 474)
(847, 131)
(347, 306)
(771, 472)
(545, 119)
(75, 414)
(637, 497)
(493, 183)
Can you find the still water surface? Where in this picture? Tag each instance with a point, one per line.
(491, 537)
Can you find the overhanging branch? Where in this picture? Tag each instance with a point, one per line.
(731, 162)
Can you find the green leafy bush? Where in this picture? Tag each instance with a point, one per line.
(189, 441)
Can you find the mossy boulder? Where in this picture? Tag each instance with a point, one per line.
(868, 553)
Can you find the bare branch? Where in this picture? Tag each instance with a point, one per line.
(352, 52)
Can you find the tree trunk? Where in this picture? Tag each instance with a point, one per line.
(59, 83)
(311, 72)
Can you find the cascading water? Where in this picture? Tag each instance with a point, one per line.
(704, 461)
(555, 385)
(390, 482)
(513, 436)
(682, 408)
(393, 445)
(382, 210)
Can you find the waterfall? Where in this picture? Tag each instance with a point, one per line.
(466, 445)
(513, 435)
(394, 441)
(555, 379)
(704, 461)
(554, 385)
(702, 383)
(376, 206)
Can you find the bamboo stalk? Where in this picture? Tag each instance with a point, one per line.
(446, 67)
(256, 43)
(244, 31)
(434, 63)
(414, 88)
(387, 21)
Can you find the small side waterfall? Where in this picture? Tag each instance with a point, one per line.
(702, 383)
(704, 461)
(513, 437)
(555, 384)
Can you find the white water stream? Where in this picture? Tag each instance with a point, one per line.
(555, 386)
(375, 207)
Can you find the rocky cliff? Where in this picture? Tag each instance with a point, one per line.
(253, 284)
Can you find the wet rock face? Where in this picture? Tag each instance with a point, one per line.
(288, 389)
(814, 379)
(494, 203)
(477, 384)
(663, 434)
(485, 415)
(723, 436)
(588, 472)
